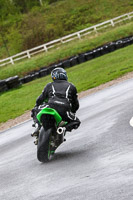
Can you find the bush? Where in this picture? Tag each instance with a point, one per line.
(56, 18)
(15, 41)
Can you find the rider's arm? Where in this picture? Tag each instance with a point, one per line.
(75, 102)
(44, 96)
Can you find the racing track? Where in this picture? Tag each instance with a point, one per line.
(95, 163)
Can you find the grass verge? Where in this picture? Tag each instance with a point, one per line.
(65, 51)
(90, 74)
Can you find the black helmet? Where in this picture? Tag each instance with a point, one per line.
(59, 74)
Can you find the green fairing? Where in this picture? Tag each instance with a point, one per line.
(50, 111)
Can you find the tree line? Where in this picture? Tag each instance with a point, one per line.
(25, 24)
(18, 26)
(9, 7)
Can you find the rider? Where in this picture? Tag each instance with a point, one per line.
(62, 96)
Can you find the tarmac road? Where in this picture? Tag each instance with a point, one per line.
(95, 163)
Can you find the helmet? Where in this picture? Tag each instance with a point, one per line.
(59, 74)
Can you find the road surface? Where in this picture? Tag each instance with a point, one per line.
(95, 163)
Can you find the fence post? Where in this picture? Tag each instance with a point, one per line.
(95, 29)
(128, 16)
(61, 41)
(79, 36)
(45, 48)
(28, 54)
(12, 62)
(112, 23)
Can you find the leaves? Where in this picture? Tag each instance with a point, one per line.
(31, 23)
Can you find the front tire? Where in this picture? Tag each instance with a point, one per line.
(43, 154)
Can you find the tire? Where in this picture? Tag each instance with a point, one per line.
(43, 145)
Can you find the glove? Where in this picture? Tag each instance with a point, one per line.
(33, 111)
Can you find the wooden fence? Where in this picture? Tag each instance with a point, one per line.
(78, 35)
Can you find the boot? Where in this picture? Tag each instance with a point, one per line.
(36, 132)
(36, 141)
(72, 125)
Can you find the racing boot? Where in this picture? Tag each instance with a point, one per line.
(36, 141)
(72, 125)
(36, 133)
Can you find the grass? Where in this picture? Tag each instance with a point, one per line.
(65, 51)
(49, 22)
(85, 76)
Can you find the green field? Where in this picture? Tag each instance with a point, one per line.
(65, 51)
(90, 74)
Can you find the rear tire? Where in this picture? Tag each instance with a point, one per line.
(43, 145)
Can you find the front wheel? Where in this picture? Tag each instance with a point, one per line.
(43, 151)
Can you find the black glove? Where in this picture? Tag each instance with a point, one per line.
(33, 111)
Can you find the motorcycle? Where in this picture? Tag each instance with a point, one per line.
(51, 134)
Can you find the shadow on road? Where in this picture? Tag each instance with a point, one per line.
(79, 154)
(68, 155)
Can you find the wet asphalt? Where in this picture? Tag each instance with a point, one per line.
(95, 162)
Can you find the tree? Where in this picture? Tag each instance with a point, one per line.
(6, 8)
(25, 5)
(41, 2)
(4, 39)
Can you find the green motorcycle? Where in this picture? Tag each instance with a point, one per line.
(51, 134)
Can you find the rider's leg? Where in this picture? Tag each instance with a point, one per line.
(36, 124)
(73, 121)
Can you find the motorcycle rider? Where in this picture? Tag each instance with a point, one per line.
(60, 95)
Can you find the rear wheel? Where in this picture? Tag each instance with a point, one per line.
(43, 147)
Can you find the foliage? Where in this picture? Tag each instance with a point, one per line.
(65, 51)
(25, 5)
(55, 18)
(15, 40)
(6, 8)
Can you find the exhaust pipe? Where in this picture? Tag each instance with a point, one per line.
(61, 130)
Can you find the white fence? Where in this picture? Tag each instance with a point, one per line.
(68, 38)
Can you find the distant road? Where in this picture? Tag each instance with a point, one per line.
(95, 163)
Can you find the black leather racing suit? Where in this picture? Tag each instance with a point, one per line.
(62, 96)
